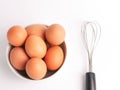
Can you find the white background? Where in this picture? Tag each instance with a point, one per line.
(70, 14)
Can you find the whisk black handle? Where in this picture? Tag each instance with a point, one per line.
(90, 81)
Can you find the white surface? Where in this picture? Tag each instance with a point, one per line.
(70, 14)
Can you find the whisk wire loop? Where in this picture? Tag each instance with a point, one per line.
(91, 32)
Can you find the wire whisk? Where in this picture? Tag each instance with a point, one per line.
(91, 32)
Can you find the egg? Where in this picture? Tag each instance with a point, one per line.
(36, 68)
(16, 35)
(18, 58)
(35, 46)
(55, 34)
(54, 58)
(36, 29)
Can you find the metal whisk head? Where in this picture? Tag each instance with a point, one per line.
(90, 35)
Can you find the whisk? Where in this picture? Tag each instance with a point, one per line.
(90, 36)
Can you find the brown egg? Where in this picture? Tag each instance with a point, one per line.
(35, 46)
(55, 34)
(37, 29)
(16, 35)
(54, 58)
(18, 58)
(36, 68)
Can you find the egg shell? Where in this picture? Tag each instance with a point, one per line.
(54, 58)
(55, 34)
(18, 58)
(16, 35)
(35, 46)
(36, 68)
(36, 29)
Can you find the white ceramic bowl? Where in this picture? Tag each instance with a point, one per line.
(22, 74)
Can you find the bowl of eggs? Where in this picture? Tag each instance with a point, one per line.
(37, 51)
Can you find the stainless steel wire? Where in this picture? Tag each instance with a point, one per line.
(90, 33)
